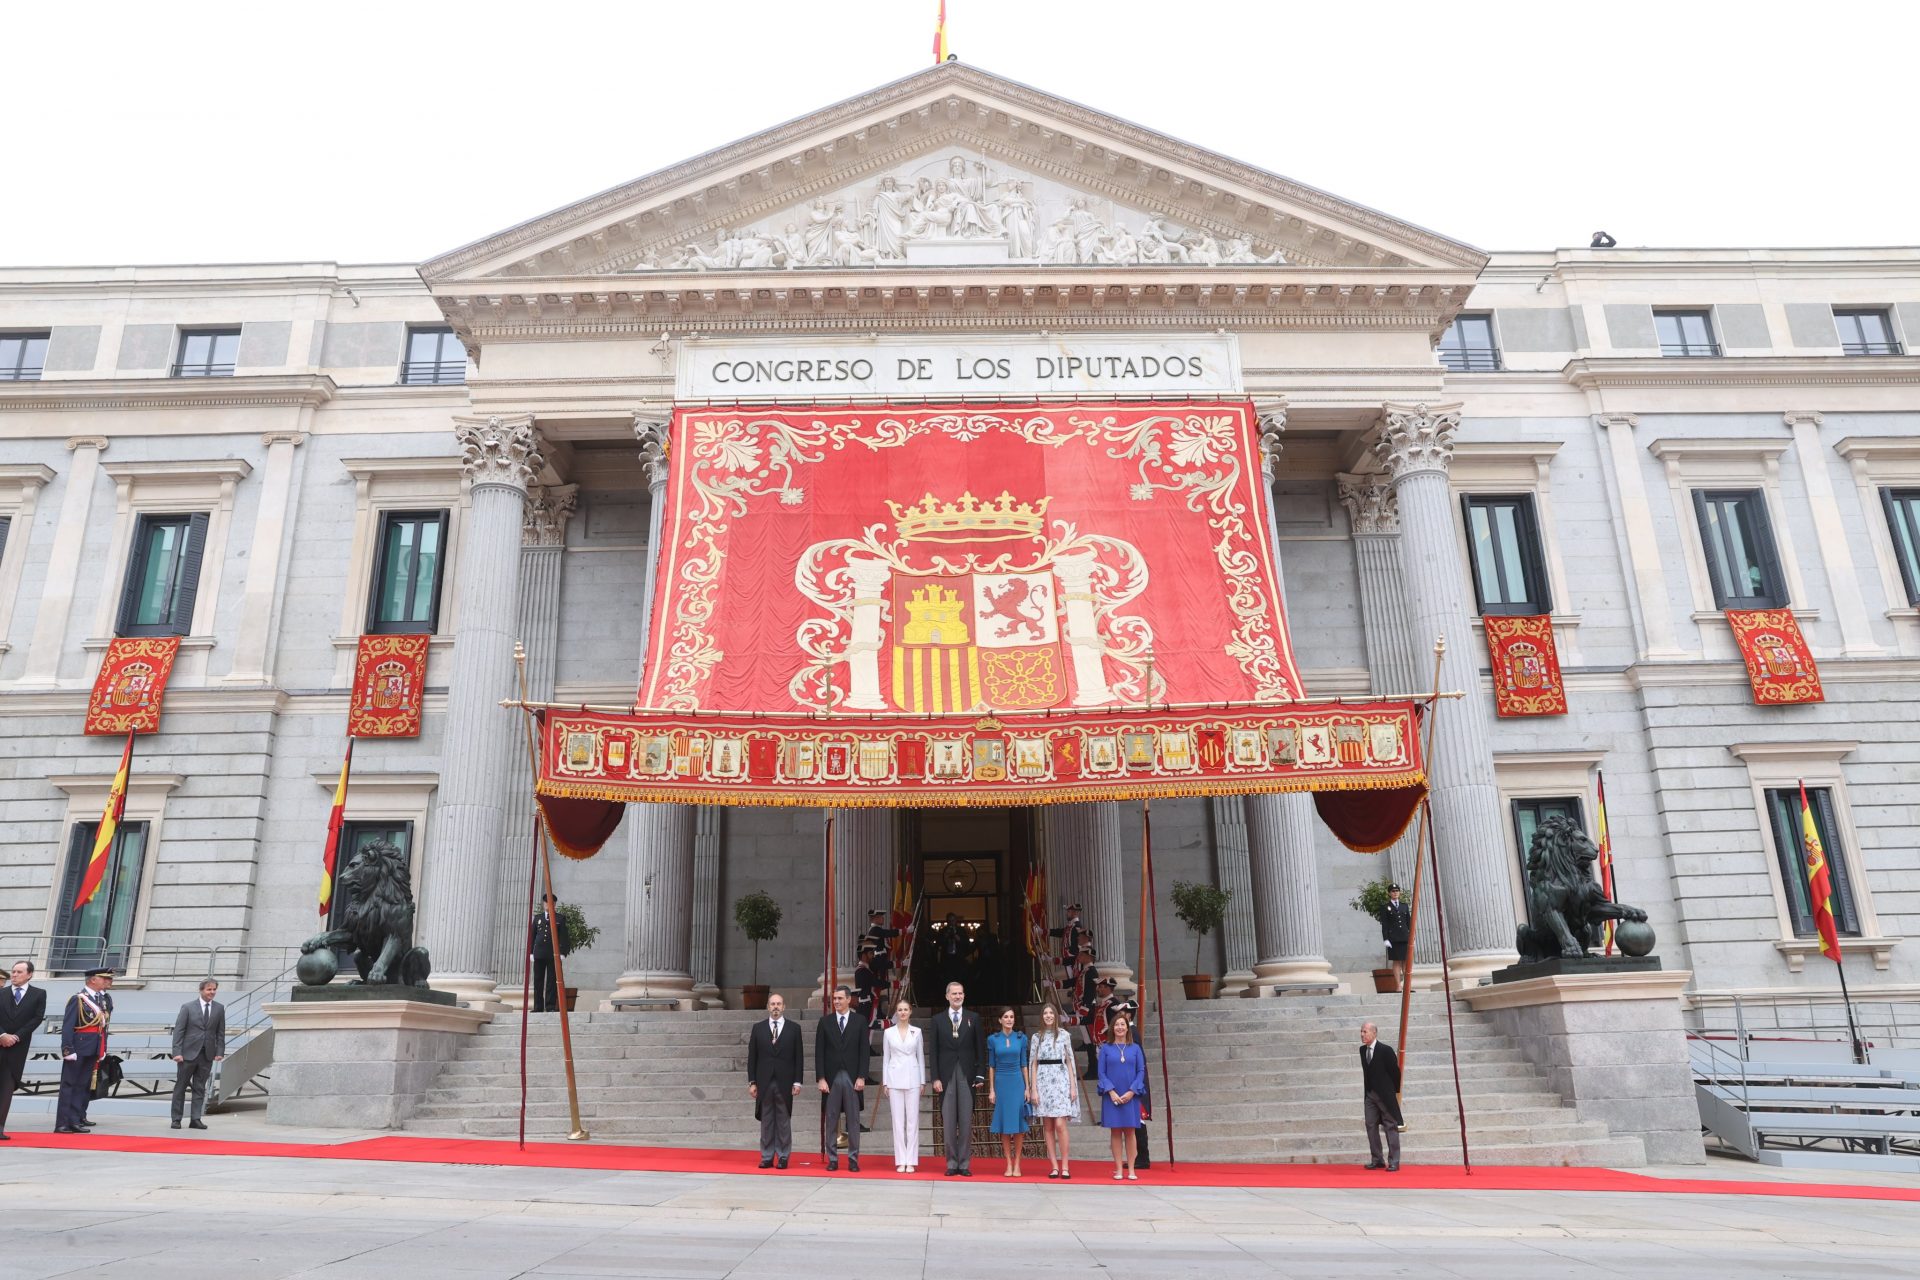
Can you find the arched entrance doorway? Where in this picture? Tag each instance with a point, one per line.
(969, 868)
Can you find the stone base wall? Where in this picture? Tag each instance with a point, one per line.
(360, 1065)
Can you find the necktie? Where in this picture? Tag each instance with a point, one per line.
(776, 1028)
(843, 1022)
(206, 1010)
(18, 992)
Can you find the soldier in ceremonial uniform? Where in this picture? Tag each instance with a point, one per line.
(83, 1042)
(866, 987)
(879, 934)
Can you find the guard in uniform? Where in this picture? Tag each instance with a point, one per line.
(83, 1043)
(880, 935)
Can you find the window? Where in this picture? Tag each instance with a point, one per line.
(1503, 541)
(1783, 809)
(405, 599)
(1529, 813)
(22, 356)
(1737, 538)
(101, 932)
(163, 577)
(1685, 333)
(1865, 332)
(207, 353)
(1467, 347)
(6, 525)
(355, 836)
(434, 358)
(1903, 522)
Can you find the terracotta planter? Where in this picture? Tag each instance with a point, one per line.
(1199, 985)
(1386, 980)
(754, 997)
(573, 999)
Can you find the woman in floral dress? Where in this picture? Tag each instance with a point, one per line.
(1056, 1094)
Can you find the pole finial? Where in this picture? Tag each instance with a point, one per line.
(1440, 644)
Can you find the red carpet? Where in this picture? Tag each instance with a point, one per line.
(1087, 1172)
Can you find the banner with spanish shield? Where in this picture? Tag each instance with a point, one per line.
(389, 687)
(966, 560)
(1526, 666)
(131, 682)
(1779, 665)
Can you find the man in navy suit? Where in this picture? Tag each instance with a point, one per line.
(83, 1042)
(774, 1063)
(841, 1047)
(23, 1007)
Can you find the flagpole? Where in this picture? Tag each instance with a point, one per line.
(526, 968)
(1606, 852)
(541, 839)
(1820, 901)
(1446, 992)
(1413, 907)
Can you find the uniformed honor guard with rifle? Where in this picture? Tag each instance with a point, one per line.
(83, 1043)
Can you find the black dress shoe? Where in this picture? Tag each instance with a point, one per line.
(853, 1164)
(66, 1128)
(5, 1138)
(1393, 1168)
(766, 1162)
(176, 1124)
(782, 1162)
(196, 1124)
(833, 1162)
(1374, 1164)
(966, 1173)
(952, 1173)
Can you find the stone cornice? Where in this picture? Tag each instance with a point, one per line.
(253, 391)
(1744, 371)
(26, 475)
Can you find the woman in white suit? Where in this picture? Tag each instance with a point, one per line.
(903, 1073)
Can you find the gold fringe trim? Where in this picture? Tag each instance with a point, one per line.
(987, 796)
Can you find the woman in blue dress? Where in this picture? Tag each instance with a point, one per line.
(1008, 1084)
(1123, 1077)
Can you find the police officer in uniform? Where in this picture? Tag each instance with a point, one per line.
(83, 1042)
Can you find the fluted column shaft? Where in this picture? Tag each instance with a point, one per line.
(1417, 444)
(1233, 872)
(461, 874)
(710, 827)
(1288, 943)
(1088, 835)
(863, 869)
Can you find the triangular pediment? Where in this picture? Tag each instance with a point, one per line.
(956, 167)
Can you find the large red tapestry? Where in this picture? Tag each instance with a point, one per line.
(1779, 664)
(132, 681)
(1029, 758)
(1526, 666)
(962, 559)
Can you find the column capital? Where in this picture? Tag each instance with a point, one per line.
(1627, 420)
(98, 443)
(1795, 417)
(500, 451)
(294, 438)
(1416, 437)
(650, 430)
(1271, 412)
(549, 507)
(1370, 503)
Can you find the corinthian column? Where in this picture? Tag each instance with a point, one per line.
(660, 837)
(500, 458)
(1233, 873)
(1392, 667)
(863, 867)
(543, 544)
(710, 832)
(1416, 446)
(1087, 836)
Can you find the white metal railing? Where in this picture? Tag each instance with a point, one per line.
(1820, 1016)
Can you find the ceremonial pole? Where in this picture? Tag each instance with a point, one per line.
(526, 966)
(1446, 991)
(1159, 1004)
(542, 837)
(1413, 909)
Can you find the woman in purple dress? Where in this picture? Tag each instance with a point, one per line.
(1123, 1077)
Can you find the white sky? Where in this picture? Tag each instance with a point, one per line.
(217, 131)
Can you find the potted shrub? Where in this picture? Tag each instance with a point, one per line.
(1370, 902)
(1202, 908)
(756, 915)
(580, 936)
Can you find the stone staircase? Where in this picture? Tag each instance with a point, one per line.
(1260, 1080)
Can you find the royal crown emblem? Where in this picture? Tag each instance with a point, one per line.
(969, 519)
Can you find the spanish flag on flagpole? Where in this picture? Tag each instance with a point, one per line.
(109, 825)
(334, 821)
(1819, 881)
(940, 36)
(1605, 845)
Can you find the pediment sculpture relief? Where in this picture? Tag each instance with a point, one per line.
(957, 210)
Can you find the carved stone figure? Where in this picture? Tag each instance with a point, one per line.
(378, 919)
(1566, 902)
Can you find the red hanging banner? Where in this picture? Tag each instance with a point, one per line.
(389, 686)
(132, 681)
(1779, 665)
(1526, 667)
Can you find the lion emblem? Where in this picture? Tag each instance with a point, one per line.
(379, 919)
(1010, 605)
(1566, 902)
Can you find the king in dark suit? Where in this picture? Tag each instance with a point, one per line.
(841, 1046)
(83, 1042)
(199, 1041)
(23, 1007)
(774, 1063)
(1380, 1076)
(959, 1066)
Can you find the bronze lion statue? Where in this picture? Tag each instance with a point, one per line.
(379, 919)
(1566, 902)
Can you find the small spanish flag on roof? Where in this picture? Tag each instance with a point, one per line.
(940, 36)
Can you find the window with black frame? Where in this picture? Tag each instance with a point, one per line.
(405, 595)
(101, 932)
(1903, 522)
(434, 358)
(23, 355)
(207, 353)
(1783, 812)
(1865, 331)
(1737, 538)
(1467, 345)
(1685, 333)
(1528, 813)
(163, 575)
(1503, 544)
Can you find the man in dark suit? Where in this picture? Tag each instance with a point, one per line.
(199, 1041)
(23, 1007)
(841, 1046)
(1396, 927)
(1380, 1074)
(83, 1042)
(546, 993)
(774, 1063)
(959, 1067)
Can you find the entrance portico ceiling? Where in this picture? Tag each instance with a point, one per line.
(1073, 220)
